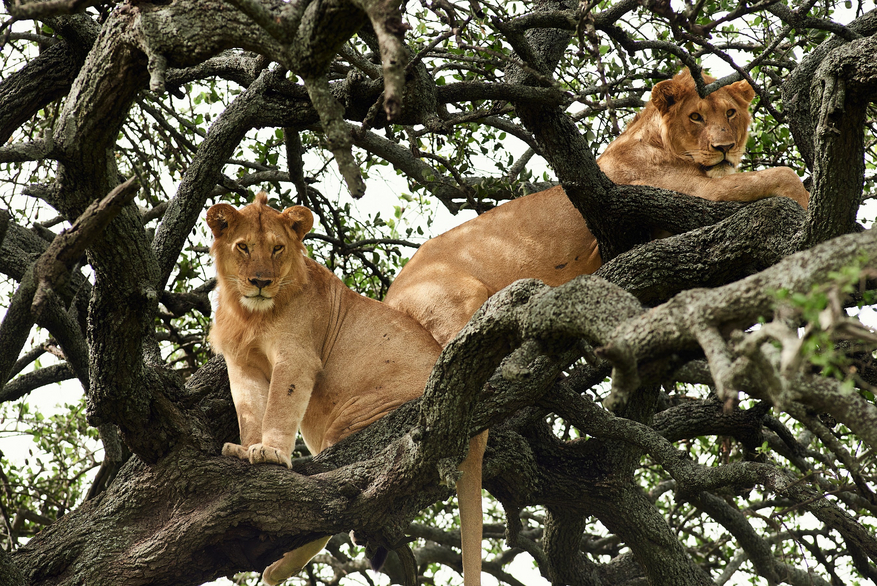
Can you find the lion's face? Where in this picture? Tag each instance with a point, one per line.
(258, 251)
(712, 131)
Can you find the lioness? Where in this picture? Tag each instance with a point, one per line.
(678, 141)
(304, 351)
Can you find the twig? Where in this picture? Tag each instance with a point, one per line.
(338, 134)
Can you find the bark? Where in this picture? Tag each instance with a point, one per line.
(709, 418)
(562, 544)
(751, 240)
(10, 575)
(121, 308)
(737, 305)
(797, 93)
(843, 85)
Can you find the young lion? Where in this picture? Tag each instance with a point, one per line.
(304, 351)
(679, 142)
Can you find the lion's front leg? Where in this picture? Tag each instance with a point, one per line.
(249, 391)
(749, 186)
(235, 451)
(265, 454)
(292, 383)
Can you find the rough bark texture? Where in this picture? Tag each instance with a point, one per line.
(843, 85)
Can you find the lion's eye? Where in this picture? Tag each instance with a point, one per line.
(731, 113)
(278, 249)
(242, 247)
(694, 116)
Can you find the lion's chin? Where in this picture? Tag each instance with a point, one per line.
(257, 303)
(721, 169)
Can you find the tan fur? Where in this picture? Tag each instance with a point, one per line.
(304, 351)
(678, 142)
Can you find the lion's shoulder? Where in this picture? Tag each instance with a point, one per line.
(639, 147)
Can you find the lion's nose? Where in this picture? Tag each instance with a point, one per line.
(260, 283)
(725, 147)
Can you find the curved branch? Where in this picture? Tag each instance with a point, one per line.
(404, 160)
(24, 384)
(52, 269)
(386, 20)
(204, 173)
(337, 132)
(737, 304)
(802, 22)
(243, 69)
(562, 543)
(26, 151)
(829, 396)
(759, 550)
(45, 78)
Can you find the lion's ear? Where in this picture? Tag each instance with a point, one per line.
(742, 91)
(665, 94)
(302, 220)
(220, 217)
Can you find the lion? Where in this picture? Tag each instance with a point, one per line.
(678, 142)
(305, 352)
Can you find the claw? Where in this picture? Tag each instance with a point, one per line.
(235, 451)
(262, 454)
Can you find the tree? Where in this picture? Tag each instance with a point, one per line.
(731, 450)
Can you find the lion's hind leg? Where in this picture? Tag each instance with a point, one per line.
(471, 515)
(292, 562)
(441, 299)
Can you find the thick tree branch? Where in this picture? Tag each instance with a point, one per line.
(386, 20)
(709, 418)
(44, 79)
(737, 305)
(336, 131)
(829, 396)
(796, 89)
(842, 87)
(566, 562)
(26, 151)
(24, 384)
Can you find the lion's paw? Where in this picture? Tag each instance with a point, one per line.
(262, 454)
(235, 450)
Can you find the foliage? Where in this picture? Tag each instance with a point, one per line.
(54, 477)
(831, 339)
